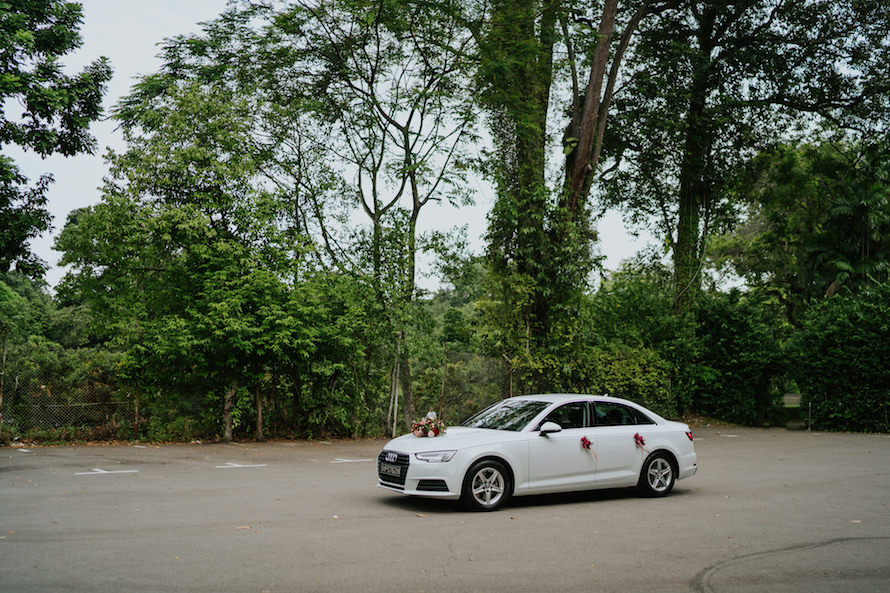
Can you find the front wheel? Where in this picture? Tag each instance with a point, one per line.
(487, 486)
(657, 476)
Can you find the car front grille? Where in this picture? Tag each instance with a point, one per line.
(391, 459)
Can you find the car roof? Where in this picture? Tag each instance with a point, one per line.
(556, 398)
(567, 397)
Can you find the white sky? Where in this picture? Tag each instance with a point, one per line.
(127, 33)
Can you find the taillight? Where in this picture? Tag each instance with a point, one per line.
(689, 434)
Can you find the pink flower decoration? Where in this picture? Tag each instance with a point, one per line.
(639, 440)
(585, 442)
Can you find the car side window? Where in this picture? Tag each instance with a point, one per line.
(570, 415)
(612, 414)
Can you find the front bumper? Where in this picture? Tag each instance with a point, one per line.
(417, 478)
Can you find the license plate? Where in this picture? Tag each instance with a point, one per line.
(390, 469)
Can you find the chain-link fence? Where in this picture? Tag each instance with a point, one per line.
(76, 396)
(41, 401)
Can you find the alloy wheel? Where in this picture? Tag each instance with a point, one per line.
(488, 486)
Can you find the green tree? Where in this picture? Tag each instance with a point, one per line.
(190, 271)
(46, 357)
(533, 57)
(631, 328)
(710, 83)
(360, 108)
(12, 307)
(741, 360)
(395, 95)
(181, 256)
(516, 75)
(839, 360)
(816, 219)
(56, 110)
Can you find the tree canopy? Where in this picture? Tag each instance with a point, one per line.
(44, 110)
(709, 84)
(251, 266)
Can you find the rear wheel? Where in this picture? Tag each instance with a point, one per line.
(487, 486)
(657, 476)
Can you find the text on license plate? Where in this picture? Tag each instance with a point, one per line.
(390, 469)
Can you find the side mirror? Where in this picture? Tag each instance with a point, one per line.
(549, 427)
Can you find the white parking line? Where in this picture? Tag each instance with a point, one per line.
(24, 450)
(228, 465)
(341, 460)
(96, 471)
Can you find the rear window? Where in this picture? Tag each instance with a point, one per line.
(612, 414)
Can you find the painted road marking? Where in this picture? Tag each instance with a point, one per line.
(228, 465)
(96, 471)
(24, 450)
(341, 460)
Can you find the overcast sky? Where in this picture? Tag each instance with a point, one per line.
(127, 32)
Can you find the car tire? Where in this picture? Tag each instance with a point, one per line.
(658, 475)
(487, 486)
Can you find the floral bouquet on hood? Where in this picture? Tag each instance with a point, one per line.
(428, 427)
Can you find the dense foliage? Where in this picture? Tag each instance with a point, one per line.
(712, 83)
(818, 220)
(44, 110)
(839, 360)
(741, 361)
(251, 265)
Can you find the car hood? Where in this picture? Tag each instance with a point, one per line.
(455, 437)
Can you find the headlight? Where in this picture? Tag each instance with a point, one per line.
(435, 456)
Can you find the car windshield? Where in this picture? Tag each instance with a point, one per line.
(508, 414)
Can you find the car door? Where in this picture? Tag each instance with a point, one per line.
(559, 461)
(619, 458)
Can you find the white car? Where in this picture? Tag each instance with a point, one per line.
(539, 444)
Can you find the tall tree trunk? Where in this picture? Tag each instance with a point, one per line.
(588, 125)
(410, 409)
(444, 383)
(259, 415)
(376, 257)
(580, 162)
(518, 58)
(297, 401)
(393, 413)
(694, 187)
(228, 406)
(687, 260)
(2, 379)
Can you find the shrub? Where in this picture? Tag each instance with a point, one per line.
(840, 360)
(638, 374)
(740, 360)
(177, 430)
(634, 308)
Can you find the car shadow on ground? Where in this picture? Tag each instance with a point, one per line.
(430, 506)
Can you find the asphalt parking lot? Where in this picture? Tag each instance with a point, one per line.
(770, 510)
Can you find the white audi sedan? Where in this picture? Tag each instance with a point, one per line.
(537, 444)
